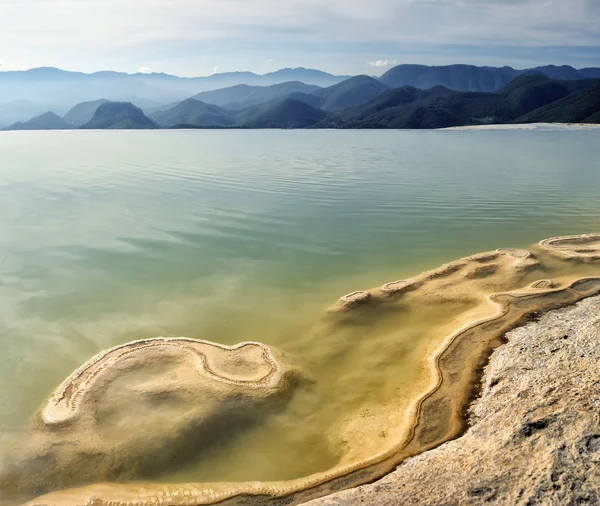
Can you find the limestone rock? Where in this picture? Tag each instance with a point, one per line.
(534, 436)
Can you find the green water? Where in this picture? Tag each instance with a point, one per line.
(107, 237)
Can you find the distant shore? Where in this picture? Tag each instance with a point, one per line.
(529, 126)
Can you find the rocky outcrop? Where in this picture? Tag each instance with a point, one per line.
(534, 436)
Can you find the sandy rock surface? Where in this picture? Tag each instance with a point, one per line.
(535, 431)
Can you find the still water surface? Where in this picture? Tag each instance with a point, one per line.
(107, 237)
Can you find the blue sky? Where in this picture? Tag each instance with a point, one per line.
(199, 37)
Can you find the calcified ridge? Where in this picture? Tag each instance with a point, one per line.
(511, 285)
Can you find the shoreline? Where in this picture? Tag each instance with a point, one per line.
(508, 126)
(527, 126)
(451, 383)
(533, 435)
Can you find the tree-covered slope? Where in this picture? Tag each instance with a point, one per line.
(350, 93)
(285, 113)
(582, 106)
(194, 113)
(527, 98)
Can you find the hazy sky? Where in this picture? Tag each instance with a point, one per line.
(198, 37)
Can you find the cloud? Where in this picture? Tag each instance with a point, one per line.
(382, 63)
(145, 70)
(215, 70)
(270, 60)
(60, 32)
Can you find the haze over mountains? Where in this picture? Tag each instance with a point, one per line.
(24, 94)
(406, 96)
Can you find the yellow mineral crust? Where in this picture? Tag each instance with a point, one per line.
(585, 246)
(137, 407)
(250, 365)
(486, 295)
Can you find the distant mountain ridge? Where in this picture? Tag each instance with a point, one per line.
(472, 78)
(24, 94)
(357, 102)
(84, 112)
(46, 121)
(528, 98)
(242, 95)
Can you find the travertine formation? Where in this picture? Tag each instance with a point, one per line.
(132, 409)
(534, 436)
(464, 307)
(585, 247)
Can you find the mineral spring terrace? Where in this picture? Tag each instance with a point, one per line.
(129, 411)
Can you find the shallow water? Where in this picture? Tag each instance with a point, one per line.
(107, 237)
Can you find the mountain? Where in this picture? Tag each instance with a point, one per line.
(528, 98)
(529, 92)
(582, 106)
(566, 72)
(284, 113)
(307, 76)
(242, 96)
(48, 88)
(119, 115)
(47, 121)
(82, 113)
(454, 77)
(192, 112)
(472, 78)
(350, 93)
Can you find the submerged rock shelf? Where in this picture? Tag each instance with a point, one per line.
(486, 295)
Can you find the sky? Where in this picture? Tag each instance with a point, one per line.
(201, 37)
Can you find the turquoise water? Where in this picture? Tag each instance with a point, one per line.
(110, 236)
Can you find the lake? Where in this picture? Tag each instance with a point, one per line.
(231, 236)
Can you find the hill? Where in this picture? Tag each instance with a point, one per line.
(350, 93)
(242, 96)
(473, 78)
(529, 92)
(528, 98)
(284, 113)
(119, 115)
(84, 112)
(582, 106)
(47, 121)
(194, 113)
(454, 77)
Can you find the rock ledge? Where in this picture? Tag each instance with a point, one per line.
(534, 436)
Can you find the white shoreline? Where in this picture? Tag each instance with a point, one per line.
(529, 126)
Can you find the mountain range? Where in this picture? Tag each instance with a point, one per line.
(24, 94)
(435, 97)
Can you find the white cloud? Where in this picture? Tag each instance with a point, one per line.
(145, 70)
(61, 32)
(383, 63)
(215, 70)
(270, 60)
